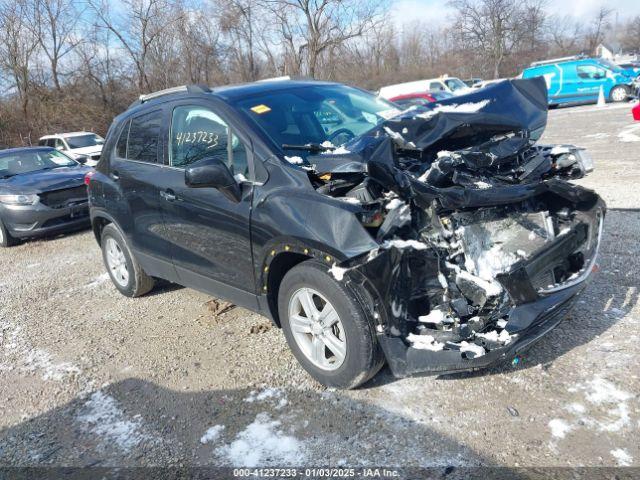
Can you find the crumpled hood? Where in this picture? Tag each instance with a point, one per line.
(44, 180)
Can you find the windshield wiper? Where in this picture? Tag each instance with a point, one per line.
(309, 147)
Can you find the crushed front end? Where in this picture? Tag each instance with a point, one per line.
(484, 243)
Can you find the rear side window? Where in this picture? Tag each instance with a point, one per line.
(435, 86)
(139, 138)
(590, 72)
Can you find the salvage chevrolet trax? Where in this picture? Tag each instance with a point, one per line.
(441, 239)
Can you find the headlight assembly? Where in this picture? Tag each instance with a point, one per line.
(19, 199)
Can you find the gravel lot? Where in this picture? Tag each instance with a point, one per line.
(89, 377)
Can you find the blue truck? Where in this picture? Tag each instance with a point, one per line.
(579, 80)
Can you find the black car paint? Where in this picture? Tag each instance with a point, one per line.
(235, 250)
(25, 221)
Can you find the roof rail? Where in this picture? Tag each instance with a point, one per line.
(169, 91)
(558, 60)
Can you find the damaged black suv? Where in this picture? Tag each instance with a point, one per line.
(440, 239)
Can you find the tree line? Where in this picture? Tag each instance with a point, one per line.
(75, 64)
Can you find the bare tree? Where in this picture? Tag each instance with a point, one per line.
(599, 26)
(565, 35)
(311, 28)
(55, 23)
(18, 46)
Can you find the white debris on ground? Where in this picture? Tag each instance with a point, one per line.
(559, 428)
(630, 133)
(275, 395)
(263, 443)
(33, 360)
(401, 244)
(212, 434)
(424, 342)
(337, 272)
(493, 336)
(294, 160)
(99, 280)
(103, 417)
(42, 361)
(623, 458)
(435, 316)
(602, 393)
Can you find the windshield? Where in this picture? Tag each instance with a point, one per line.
(316, 114)
(609, 64)
(455, 84)
(82, 141)
(32, 161)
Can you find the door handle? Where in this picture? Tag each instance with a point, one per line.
(115, 175)
(168, 195)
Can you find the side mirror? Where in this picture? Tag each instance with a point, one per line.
(213, 173)
(81, 159)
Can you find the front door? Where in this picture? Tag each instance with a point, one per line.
(209, 233)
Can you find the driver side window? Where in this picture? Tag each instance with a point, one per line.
(197, 133)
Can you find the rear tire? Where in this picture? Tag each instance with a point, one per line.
(6, 240)
(350, 333)
(126, 273)
(618, 94)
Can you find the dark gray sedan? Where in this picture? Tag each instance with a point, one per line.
(42, 192)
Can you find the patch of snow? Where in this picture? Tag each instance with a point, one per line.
(351, 200)
(435, 316)
(239, 177)
(559, 428)
(470, 107)
(398, 139)
(560, 150)
(337, 272)
(400, 244)
(211, 434)
(576, 408)
(295, 160)
(327, 144)
(628, 134)
(492, 289)
(501, 323)
(443, 280)
(276, 395)
(477, 350)
(341, 151)
(444, 153)
(104, 418)
(493, 336)
(263, 443)
(483, 185)
(99, 280)
(623, 458)
(424, 342)
(41, 360)
(394, 203)
(602, 391)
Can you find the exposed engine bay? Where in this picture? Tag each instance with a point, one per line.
(478, 226)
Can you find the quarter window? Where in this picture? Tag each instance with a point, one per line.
(198, 133)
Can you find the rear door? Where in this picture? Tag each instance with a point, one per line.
(136, 167)
(209, 233)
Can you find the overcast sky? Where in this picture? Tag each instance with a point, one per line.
(437, 10)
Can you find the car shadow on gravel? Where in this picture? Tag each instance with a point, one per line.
(610, 295)
(133, 423)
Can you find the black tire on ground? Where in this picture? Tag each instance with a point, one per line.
(139, 282)
(6, 240)
(364, 357)
(619, 94)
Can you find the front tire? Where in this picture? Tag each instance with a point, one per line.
(326, 328)
(618, 94)
(6, 240)
(126, 273)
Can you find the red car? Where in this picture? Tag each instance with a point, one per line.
(419, 98)
(636, 112)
